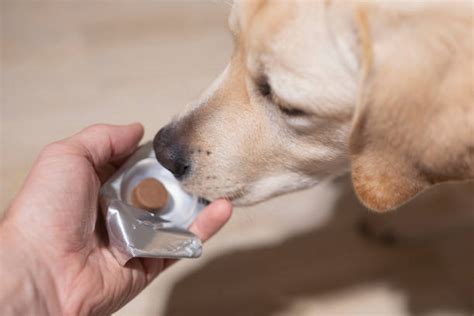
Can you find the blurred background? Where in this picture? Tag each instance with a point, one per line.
(69, 64)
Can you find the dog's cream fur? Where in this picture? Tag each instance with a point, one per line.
(317, 88)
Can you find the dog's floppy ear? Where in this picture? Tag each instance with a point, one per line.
(384, 172)
(411, 130)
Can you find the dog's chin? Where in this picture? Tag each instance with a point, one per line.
(251, 193)
(245, 201)
(244, 197)
(234, 195)
(238, 196)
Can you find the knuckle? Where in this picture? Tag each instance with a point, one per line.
(59, 147)
(96, 128)
(54, 148)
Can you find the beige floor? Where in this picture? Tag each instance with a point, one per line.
(65, 65)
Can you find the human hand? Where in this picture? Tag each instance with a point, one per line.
(53, 253)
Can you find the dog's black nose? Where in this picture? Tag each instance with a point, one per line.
(170, 153)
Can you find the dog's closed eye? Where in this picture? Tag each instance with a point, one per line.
(266, 91)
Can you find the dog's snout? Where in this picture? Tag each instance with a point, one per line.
(171, 153)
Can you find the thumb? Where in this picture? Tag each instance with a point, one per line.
(107, 143)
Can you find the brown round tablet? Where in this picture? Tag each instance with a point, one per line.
(150, 194)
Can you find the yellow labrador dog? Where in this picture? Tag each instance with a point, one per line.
(382, 89)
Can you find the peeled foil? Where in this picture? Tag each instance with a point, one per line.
(134, 232)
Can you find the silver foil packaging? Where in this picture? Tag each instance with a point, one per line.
(135, 232)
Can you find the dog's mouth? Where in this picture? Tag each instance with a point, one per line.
(230, 196)
(204, 201)
(234, 195)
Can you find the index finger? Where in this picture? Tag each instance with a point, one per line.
(208, 223)
(211, 219)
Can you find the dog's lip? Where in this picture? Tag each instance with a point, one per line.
(237, 194)
(230, 197)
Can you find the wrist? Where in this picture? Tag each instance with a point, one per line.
(27, 285)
